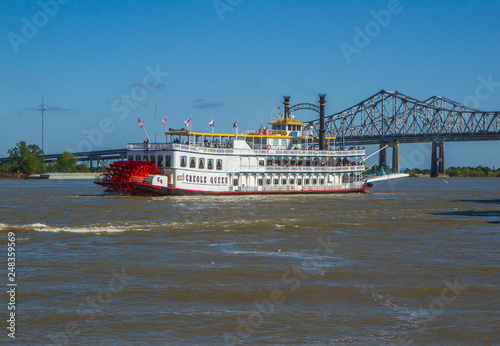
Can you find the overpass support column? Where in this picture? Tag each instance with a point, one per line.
(437, 159)
(382, 157)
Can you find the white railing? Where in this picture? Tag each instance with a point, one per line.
(150, 146)
(312, 169)
(265, 152)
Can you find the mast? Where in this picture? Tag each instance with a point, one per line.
(43, 111)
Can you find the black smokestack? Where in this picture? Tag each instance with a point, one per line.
(287, 106)
(322, 121)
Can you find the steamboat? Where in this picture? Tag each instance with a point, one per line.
(283, 158)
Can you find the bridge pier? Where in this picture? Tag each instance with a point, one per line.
(395, 155)
(382, 157)
(437, 160)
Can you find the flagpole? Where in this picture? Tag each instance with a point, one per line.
(166, 129)
(155, 123)
(144, 129)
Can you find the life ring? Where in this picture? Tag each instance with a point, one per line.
(268, 146)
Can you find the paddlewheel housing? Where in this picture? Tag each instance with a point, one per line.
(122, 175)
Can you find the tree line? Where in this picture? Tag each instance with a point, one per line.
(465, 172)
(28, 158)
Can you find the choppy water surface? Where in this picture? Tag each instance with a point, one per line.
(411, 261)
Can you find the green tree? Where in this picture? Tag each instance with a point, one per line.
(6, 167)
(82, 168)
(26, 158)
(66, 163)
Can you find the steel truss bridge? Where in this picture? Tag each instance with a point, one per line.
(390, 118)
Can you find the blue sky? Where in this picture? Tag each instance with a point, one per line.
(231, 59)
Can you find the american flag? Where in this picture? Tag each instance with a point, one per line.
(235, 124)
(211, 122)
(187, 122)
(164, 121)
(139, 122)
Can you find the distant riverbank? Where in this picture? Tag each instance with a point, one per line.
(11, 175)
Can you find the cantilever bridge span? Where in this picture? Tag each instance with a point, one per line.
(390, 118)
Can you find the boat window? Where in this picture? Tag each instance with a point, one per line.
(152, 158)
(269, 162)
(315, 181)
(210, 164)
(160, 161)
(306, 181)
(261, 162)
(260, 182)
(316, 162)
(183, 161)
(292, 181)
(275, 141)
(192, 162)
(201, 164)
(308, 162)
(301, 162)
(293, 162)
(219, 165)
(283, 181)
(283, 142)
(322, 181)
(145, 158)
(268, 181)
(168, 161)
(235, 182)
(131, 157)
(138, 158)
(299, 181)
(276, 181)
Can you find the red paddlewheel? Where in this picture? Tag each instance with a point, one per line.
(121, 175)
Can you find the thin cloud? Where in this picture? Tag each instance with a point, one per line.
(47, 109)
(200, 103)
(150, 86)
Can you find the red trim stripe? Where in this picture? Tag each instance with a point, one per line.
(256, 192)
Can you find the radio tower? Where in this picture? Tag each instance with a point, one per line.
(43, 109)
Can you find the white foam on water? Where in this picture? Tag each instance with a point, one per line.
(96, 229)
